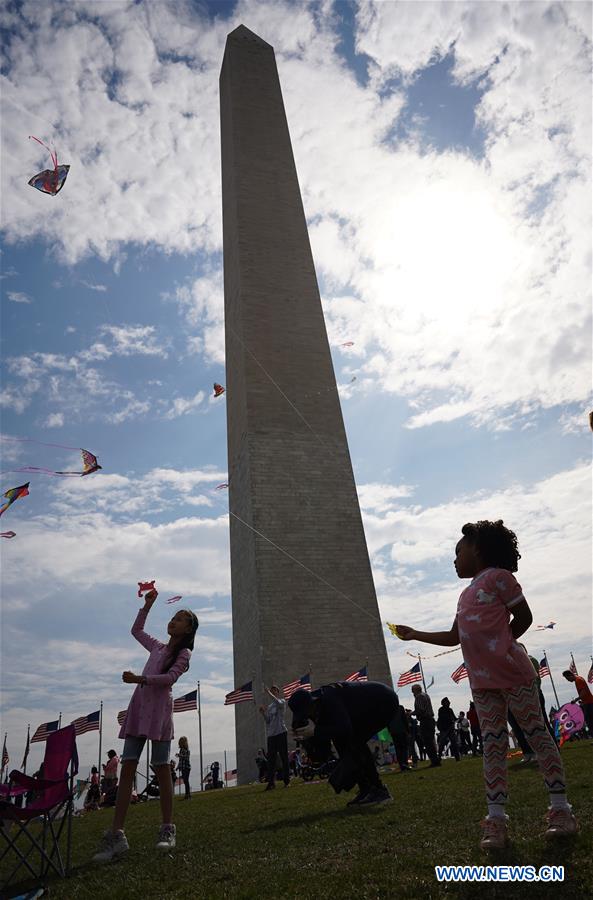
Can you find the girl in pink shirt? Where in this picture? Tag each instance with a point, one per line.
(491, 614)
(150, 716)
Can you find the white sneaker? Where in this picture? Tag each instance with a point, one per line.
(113, 845)
(166, 839)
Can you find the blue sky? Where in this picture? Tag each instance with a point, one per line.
(444, 162)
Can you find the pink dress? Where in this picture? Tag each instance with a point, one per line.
(150, 713)
(491, 654)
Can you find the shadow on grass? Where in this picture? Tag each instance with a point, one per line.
(309, 819)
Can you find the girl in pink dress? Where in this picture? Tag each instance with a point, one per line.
(150, 716)
(491, 614)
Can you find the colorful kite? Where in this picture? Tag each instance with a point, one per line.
(175, 598)
(567, 721)
(221, 487)
(14, 494)
(218, 390)
(50, 181)
(394, 631)
(145, 586)
(89, 465)
(8, 534)
(550, 625)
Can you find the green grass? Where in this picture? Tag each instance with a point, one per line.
(303, 843)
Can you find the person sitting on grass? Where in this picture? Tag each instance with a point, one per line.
(491, 614)
(150, 715)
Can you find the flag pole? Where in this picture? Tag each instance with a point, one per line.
(26, 750)
(100, 734)
(422, 673)
(574, 664)
(59, 720)
(225, 784)
(552, 680)
(200, 738)
(3, 749)
(147, 765)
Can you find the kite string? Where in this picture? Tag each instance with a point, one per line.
(6, 437)
(306, 568)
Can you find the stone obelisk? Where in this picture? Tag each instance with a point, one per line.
(302, 589)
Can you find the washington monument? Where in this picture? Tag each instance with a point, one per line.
(302, 589)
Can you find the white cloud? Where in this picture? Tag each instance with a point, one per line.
(18, 297)
(54, 420)
(94, 287)
(181, 406)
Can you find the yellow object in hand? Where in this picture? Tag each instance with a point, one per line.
(394, 631)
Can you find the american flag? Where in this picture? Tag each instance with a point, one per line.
(544, 668)
(303, 683)
(121, 716)
(188, 701)
(44, 730)
(590, 675)
(5, 756)
(413, 674)
(361, 675)
(459, 673)
(231, 775)
(87, 723)
(572, 667)
(240, 695)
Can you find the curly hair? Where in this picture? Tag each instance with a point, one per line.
(496, 544)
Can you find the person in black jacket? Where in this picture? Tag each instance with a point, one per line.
(446, 720)
(347, 714)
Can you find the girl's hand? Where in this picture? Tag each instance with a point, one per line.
(130, 678)
(149, 598)
(406, 633)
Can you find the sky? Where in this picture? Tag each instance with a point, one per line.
(443, 154)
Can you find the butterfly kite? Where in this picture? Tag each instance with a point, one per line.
(218, 390)
(89, 465)
(12, 495)
(550, 625)
(50, 181)
(394, 631)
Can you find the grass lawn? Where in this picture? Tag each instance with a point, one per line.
(302, 842)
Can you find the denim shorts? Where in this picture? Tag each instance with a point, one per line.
(159, 755)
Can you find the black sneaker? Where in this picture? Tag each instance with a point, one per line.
(376, 797)
(356, 800)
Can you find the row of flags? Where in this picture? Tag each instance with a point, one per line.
(415, 673)
(189, 701)
(244, 693)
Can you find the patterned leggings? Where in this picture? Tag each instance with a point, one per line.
(523, 701)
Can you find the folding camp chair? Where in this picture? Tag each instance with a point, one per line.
(42, 821)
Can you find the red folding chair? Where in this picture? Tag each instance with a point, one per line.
(42, 821)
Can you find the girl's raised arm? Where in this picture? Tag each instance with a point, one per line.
(147, 641)
(442, 638)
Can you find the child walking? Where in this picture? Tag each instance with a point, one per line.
(150, 715)
(184, 765)
(491, 614)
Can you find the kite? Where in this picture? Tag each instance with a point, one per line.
(145, 586)
(220, 487)
(89, 465)
(550, 625)
(394, 631)
(8, 534)
(174, 599)
(567, 721)
(347, 344)
(218, 390)
(14, 494)
(50, 181)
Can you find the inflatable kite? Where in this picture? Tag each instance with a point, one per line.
(569, 719)
(50, 181)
